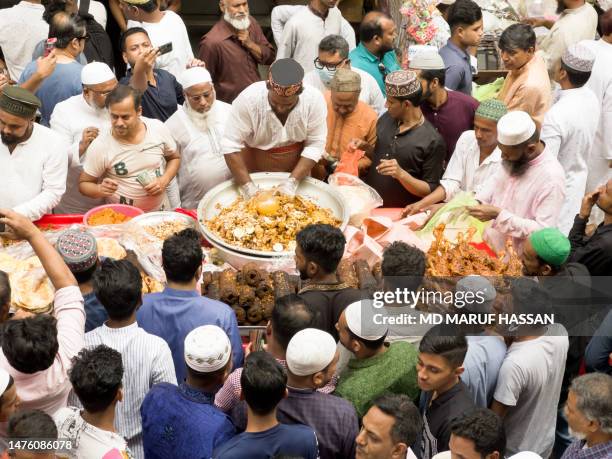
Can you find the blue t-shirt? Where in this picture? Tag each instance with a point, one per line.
(482, 363)
(458, 75)
(95, 314)
(63, 83)
(292, 440)
(363, 59)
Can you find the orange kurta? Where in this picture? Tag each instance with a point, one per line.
(528, 89)
(361, 124)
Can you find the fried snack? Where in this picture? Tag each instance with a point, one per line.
(346, 273)
(255, 314)
(107, 217)
(110, 248)
(228, 289)
(265, 287)
(212, 291)
(207, 279)
(364, 275)
(150, 285)
(267, 305)
(281, 284)
(295, 282)
(446, 259)
(251, 274)
(246, 296)
(32, 290)
(241, 314)
(377, 272)
(166, 229)
(239, 224)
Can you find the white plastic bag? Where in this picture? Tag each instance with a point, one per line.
(360, 198)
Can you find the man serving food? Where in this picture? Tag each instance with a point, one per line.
(277, 126)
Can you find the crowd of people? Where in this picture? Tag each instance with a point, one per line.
(138, 119)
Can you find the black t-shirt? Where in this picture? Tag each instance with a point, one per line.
(420, 151)
(161, 101)
(329, 301)
(439, 416)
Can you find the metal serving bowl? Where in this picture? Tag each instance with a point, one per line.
(226, 193)
(155, 218)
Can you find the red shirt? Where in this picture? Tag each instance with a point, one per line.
(452, 118)
(230, 64)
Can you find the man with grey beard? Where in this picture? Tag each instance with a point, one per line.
(198, 127)
(526, 194)
(233, 48)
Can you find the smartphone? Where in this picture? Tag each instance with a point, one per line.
(49, 46)
(165, 49)
(2, 225)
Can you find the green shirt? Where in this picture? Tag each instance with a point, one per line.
(365, 60)
(393, 371)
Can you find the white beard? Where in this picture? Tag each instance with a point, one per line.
(576, 435)
(238, 24)
(202, 121)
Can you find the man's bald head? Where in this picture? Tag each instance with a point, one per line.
(378, 33)
(371, 25)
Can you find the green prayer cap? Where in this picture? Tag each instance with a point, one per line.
(551, 245)
(491, 109)
(19, 102)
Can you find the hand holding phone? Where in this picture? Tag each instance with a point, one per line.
(165, 49)
(49, 46)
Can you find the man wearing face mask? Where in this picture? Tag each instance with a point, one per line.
(334, 55)
(277, 126)
(33, 158)
(236, 40)
(526, 194)
(197, 128)
(80, 119)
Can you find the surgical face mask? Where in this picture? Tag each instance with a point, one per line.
(326, 75)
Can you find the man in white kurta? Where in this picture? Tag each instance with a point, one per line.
(80, 119)
(600, 159)
(576, 23)
(278, 125)
(33, 158)
(475, 160)
(569, 128)
(527, 192)
(197, 128)
(333, 55)
(306, 28)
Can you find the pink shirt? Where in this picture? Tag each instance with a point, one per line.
(48, 390)
(529, 202)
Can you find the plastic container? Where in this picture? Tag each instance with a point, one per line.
(130, 211)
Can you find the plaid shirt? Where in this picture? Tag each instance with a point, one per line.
(229, 395)
(577, 451)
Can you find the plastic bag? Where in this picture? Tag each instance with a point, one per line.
(488, 91)
(456, 218)
(349, 161)
(359, 197)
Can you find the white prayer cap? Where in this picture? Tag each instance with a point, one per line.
(445, 2)
(443, 455)
(96, 73)
(207, 349)
(427, 60)
(193, 76)
(4, 380)
(309, 351)
(514, 128)
(526, 455)
(579, 58)
(483, 292)
(360, 321)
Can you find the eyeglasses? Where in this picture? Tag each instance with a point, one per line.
(331, 67)
(102, 93)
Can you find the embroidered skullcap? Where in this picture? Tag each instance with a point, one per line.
(78, 248)
(402, 83)
(207, 349)
(483, 293)
(96, 73)
(286, 77)
(551, 245)
(345, 80)
(579, 58)
(360, 321)
(19, 102)
(514, 128)
(491, 109)
(427, 60)
(310, 351)
(193, 76)
(5, 378)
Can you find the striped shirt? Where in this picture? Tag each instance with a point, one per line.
(146, 361)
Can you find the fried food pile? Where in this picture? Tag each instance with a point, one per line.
(250, 292)
(166, 229)
(107, 217)
(240, 224)
(445, 258)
